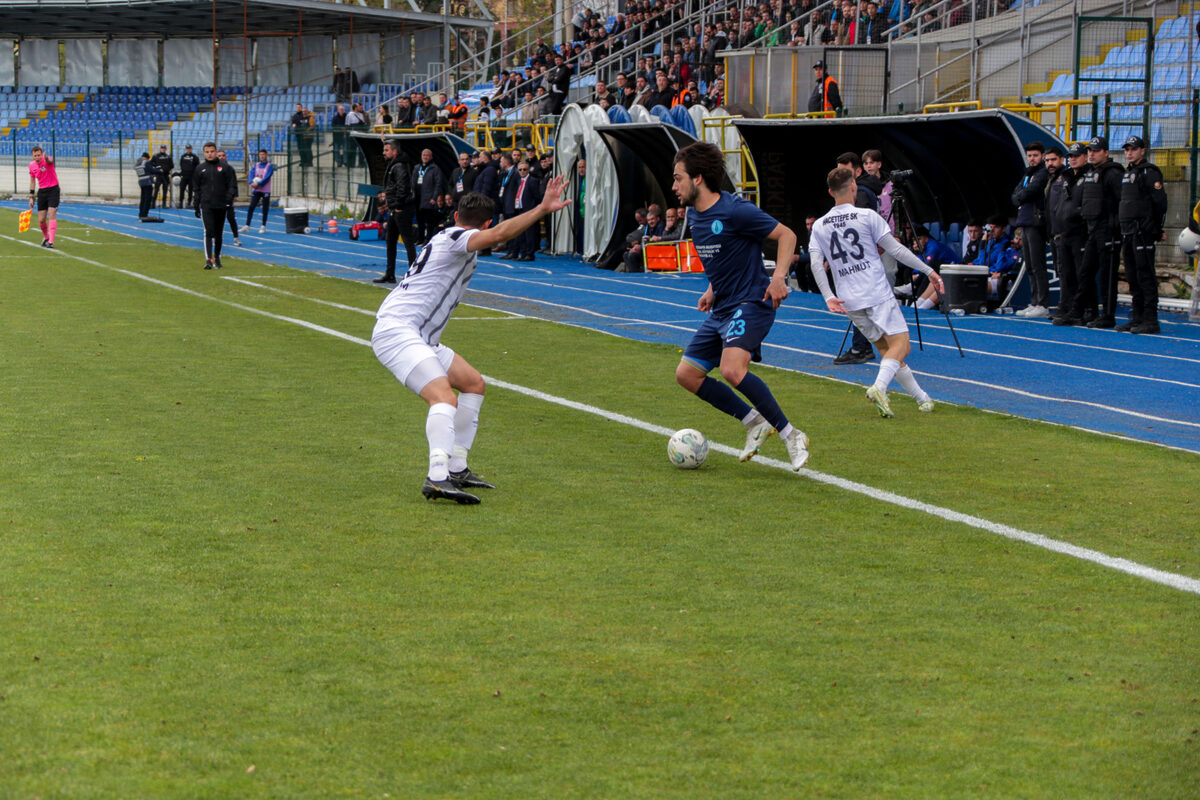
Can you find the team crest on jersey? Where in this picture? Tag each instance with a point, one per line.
(717, 226)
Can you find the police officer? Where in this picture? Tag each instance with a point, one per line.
(1068, 232)
(162, 180)
(397, 185)
(1100, 194)
(1141, 212)
(1029, 197)
(187, 169)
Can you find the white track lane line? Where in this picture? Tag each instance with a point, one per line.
(821, 312)
(790, 323)
(789, 349)
(1182, 583)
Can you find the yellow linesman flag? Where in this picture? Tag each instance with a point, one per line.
(23, 221)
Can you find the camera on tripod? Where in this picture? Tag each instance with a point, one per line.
(901, 175)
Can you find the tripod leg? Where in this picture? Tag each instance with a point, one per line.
(843, 344)
(946, 314)
(917, 319)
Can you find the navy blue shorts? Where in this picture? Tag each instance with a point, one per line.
(745, 326)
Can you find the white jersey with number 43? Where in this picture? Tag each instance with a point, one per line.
(848, 238)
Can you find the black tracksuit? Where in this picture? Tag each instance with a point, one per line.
(1068, 231)
(214, 185)
(398, 188)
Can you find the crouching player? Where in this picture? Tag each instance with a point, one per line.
(409, 326)
(849, 239)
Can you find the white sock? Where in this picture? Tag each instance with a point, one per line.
(908, 381)
(466, 423)
(439, 430)
(787, 431)
(887, 370)
(924, 303)
(753, 418)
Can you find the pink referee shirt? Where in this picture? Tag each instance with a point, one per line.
(44, 173)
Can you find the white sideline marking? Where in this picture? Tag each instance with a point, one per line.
(355, 309)
(1174, 580)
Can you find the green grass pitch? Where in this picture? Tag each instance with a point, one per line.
(218, 577)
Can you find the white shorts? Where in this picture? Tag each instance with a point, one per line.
(878, 321)
(401, 349)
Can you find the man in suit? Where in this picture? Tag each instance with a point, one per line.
(526, 195)
(427, 186)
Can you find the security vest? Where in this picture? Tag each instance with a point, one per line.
(1143, 199)
(1100, 192)
(1067, 218)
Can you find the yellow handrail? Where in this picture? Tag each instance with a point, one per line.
(972, 104)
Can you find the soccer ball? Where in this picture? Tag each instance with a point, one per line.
(687, 448)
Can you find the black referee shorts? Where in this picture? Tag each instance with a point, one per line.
(47, 198)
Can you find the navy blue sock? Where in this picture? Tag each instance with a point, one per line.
(761, 398)
(722, 398)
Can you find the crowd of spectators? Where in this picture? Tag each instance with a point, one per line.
(653, 38)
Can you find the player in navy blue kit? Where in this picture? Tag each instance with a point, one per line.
(741, 300)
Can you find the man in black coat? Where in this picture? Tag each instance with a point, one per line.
(1067, 229)
(1141, 211)
(427, 185)
(397, 188)
(162, 179)
(187, 168)
(506, 174)
(1029, 196)
(1100, 196)
(462, 180)
(215, 186)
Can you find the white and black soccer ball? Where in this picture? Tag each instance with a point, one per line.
(687, 448)
(1189, 242)
(176, 180)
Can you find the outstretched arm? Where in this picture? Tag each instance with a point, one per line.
(511, 228)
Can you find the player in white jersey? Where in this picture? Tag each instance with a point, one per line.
(849, 239)
(408, 331)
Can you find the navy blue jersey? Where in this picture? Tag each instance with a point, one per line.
(728, 238)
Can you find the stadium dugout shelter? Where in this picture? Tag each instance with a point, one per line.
(964, 164)
(643, 155)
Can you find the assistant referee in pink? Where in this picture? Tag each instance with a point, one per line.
(43, 188)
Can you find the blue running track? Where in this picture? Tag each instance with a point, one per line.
(1143, 387)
